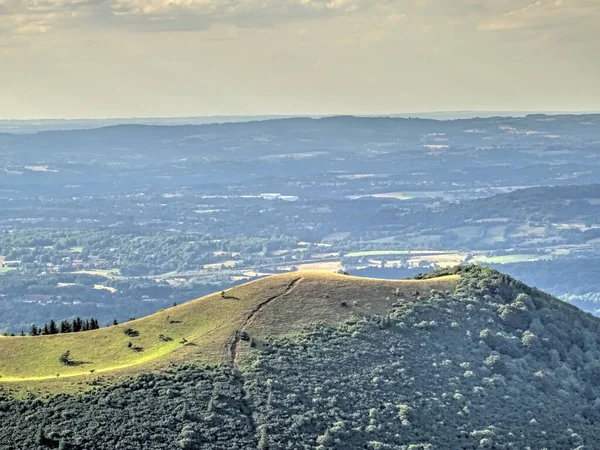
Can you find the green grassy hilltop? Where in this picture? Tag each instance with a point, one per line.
(202, 330)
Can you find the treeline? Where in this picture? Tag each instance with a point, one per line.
(65, 326)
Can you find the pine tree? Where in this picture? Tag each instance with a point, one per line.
(86, 326)
(115, 322)
(22, 333)
(46, 330)
(77, 325)
(34, 331)
(53, 329)
(65, 327)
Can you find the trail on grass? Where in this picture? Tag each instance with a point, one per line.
(235, 339)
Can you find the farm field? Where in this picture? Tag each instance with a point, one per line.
(328, 266)
(229, 264)
(394, 252)
(507, 259)
(107, 273)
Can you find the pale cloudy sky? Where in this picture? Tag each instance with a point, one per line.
(144, 58)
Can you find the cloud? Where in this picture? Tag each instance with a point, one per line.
(544, 14)
(227, 7)
(19, 17)
(40, 16)
(201, 14)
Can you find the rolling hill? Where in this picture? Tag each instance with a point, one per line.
(466, 358)
(529, 219)
(202, 330)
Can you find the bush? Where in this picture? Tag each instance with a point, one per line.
(65, 358)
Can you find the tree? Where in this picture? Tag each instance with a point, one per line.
(65, 327)
(53, 329)
(34, 331)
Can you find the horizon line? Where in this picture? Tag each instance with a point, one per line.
(306, 115)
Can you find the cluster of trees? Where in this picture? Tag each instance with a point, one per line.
(138, 253)
(65, 326)
(169, 411)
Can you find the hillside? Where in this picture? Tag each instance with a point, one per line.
(202, 330)
(467, 358)
(544, 205)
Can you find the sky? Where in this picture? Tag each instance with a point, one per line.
(176, 58)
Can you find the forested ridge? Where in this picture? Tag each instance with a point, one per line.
(493, 365)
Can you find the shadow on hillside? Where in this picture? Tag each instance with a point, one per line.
(77, 363)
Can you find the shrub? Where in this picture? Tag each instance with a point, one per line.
(496, 364)
(65, 358)
(131, 332)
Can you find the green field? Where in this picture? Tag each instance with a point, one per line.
(393, 252)
(506, 259)
(106, 273)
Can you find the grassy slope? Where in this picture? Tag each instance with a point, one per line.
(207, 323)
(318, 297)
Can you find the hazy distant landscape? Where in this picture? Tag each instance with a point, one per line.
(121, 221)
(37, 125)
(237, 285)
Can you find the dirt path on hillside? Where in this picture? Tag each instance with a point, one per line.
(235, 339)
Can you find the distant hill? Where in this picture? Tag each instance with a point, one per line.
(474, 361)
(544, 204)
(33, 126)
(527, 136)
(534, 217)
(305, 157)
